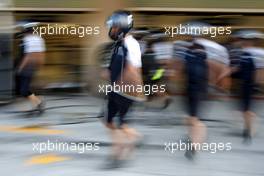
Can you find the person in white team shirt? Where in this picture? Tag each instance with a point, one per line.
(133, 51)
(202, 61)
(32, 56)
(247, 61)
(124, 69)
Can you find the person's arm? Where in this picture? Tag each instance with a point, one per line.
(39, 58)
(35, 58)
(179, 67)
(133, 71)
(105, 74)
(24, 62)
(133, 74)
(226, 72)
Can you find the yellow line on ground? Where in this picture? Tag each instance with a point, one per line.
(32, 129)
(46, 159)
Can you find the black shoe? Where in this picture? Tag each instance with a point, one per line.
(190, 151)
(167, 102)
(41, 107)
(140, 142)
(113, 163)
(190, 154)
(247, 137)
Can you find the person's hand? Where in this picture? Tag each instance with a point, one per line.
(105, 74)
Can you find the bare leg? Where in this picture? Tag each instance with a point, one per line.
(197, 134)
(249, 119)
(197, 130)
(118, 141)
(35, 101)
(118, 144)
(131, 136)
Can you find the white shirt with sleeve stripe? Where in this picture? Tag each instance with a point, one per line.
(33, 43)
(133, 51)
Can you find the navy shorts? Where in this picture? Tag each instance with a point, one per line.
(247, 73)
(23, 83)
(117, 105)
(246, 96)
(196, 88)
(193, 102)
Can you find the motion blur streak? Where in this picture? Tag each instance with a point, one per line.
(53, 88)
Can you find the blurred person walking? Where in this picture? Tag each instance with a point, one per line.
(154, 65)
(193, 58)
(32, 55)
(196, 70)
(245, 61)
(124, 69)
(202, 62)
(103, 54)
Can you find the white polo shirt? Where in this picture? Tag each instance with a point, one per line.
(33, 43)
(163, 50)
(133, 51)
(257, 54)
(214, 51)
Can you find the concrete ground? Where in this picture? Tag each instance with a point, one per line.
(71, 120)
